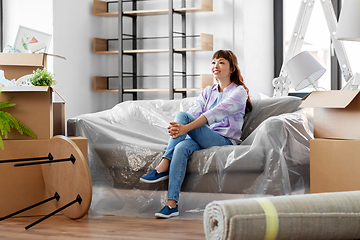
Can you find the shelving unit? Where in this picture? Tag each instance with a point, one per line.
(101, 46)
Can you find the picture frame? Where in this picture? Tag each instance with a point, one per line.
(30, 40)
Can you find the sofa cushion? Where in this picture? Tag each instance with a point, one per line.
(265, 107)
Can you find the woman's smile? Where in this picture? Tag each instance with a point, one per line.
(221, 68)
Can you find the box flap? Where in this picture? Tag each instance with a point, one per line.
(63, 99)
(55, 55)
(329, 99)
(22, 59)
(25, 89)
(306, 96)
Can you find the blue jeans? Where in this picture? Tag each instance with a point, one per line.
(179, 150)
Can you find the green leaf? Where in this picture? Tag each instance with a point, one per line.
(1, 143)
(8, 122)
(6, 104)
(5, 124)
(42, 78)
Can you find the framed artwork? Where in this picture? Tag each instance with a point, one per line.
(30, 40)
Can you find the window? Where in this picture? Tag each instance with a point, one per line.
(317, 39)
(352, 49)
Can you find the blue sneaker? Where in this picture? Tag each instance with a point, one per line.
(154, 176)
(167, 212)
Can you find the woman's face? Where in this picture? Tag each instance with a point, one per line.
(220, 68)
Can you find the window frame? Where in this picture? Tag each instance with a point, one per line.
(278, 10)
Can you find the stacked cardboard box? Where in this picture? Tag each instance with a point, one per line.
(16, 65)
(335, 151)
(22, 187)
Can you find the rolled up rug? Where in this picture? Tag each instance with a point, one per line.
(310, 216)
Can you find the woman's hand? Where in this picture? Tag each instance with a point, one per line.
(176, 129)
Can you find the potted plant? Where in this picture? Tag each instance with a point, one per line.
(7, 122)
(42, 78)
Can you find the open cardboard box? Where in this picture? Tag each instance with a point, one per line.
(35, 108)
(334, 165)
(336, 113)
(21, 187)
(34, 105)
(16, 65)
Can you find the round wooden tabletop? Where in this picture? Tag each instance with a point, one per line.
(68, 179)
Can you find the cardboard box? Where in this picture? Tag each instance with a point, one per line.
(16, 65)
(82, 143)
(334, 165)
(34, 108)
(21, 187)
(336, 113)
(59, 118)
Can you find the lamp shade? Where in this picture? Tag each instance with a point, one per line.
(348, 25)
(303, 70)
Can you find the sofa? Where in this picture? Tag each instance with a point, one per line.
(127, 141)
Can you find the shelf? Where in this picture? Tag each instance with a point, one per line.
(101, 9)
(104, 46)
(100, 46)
(153, 90)
(101, 84)
(146, 90)
(206, 80)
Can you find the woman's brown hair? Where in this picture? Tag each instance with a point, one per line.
(235, 76)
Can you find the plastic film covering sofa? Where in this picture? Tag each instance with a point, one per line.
(127, 141)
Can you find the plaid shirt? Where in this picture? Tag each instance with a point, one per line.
(227, 117)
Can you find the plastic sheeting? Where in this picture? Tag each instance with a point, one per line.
(127, 141)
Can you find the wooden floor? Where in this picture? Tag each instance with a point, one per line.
(101, 227)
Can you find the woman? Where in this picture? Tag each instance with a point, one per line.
(215, 119)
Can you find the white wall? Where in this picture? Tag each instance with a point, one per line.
(258, 47)
(246, 27)
(35, 14)
(74, 29)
